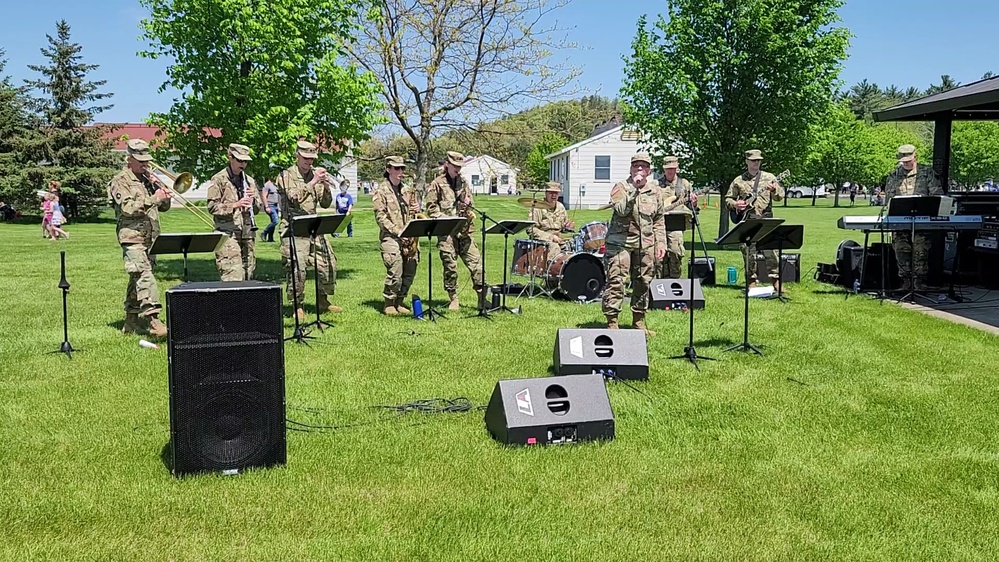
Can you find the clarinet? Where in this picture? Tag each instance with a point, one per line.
(253, 221)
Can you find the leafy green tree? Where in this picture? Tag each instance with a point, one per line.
(974, 152)
(62, 148)
(723, 76)
(262, 73)
(537, 165)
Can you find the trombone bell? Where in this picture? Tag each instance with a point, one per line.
(183, 182)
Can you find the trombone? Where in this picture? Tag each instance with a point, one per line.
(182, 182)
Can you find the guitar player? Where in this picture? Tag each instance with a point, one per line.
(740, 199)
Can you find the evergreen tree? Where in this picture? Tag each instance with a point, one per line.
(14, 122)
(63, 148)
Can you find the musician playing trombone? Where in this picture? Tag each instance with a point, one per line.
(303, 189)
(233, 200)
(138, 198)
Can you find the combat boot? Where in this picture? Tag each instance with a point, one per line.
(157, 328)
(400, 308)
(132, 324)
(390, 308)
(639, 323)
(453, 305)
(325, 306)
(612, 323)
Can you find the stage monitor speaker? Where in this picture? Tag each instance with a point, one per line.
(551, 410)
(226, 366)
(615, 353)
(703, 272)
(674, 294)
(879, 255)
(849, 258)
(790, 267)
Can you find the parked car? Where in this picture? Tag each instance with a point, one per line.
(799, 191)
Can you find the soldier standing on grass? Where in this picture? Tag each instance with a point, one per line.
(232, 201)
(137, 202)
(911, 252)
(395, 204)
(636, 240)
(767, 190)
(672, 266)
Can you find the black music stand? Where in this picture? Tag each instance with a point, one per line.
(790, 236)
(674, 222)
(186, 243)
(418, 228)
(913, 206)
(315, 227)
(747, 232)
(506, 228)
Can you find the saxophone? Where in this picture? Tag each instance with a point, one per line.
(410, 247)
(463, 210)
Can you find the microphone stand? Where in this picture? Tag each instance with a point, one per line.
(483, 311)
(66, 347)
(689, 352)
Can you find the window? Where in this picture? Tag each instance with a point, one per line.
(505, 179)
(601, 167)
(476, 179)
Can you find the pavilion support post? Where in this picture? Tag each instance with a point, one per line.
(941, 149)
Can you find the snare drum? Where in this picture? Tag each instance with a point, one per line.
(529, 257)
(593, 236)
(576, 275)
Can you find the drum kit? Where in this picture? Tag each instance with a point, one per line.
(576, 273)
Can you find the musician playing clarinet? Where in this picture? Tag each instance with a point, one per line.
(233, 201)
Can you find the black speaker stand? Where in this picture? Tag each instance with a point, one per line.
(65, 347)
(689, 352)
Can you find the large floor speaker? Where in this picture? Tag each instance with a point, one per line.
(674, 294)
(552, 410)
(878, 256)
(616, 353)
(226, 361)
(849, 256)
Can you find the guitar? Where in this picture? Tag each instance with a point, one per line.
(736, 216)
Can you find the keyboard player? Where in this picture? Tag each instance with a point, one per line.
(911, 251)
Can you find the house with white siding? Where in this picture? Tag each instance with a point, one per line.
(489, 175)
(589, 169)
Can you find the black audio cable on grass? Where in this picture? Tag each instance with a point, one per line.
(426, 406)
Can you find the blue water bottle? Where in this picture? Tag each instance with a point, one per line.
(733, 276)
(417, 307)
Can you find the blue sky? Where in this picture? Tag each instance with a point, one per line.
(906, 43)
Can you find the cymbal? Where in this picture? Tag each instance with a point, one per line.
(535, 203)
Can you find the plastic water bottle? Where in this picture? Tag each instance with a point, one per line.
(417, 307)
(856, 286)
(733, 275)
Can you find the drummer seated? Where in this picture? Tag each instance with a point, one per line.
(550, 219)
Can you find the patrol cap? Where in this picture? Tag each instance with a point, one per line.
(394, 162)
(307, 150)
(641, 157)
(754, 154)
(139, 150)
(240, 152)
(671, 162)
(553, 186)
(456, 158)
(906, 153)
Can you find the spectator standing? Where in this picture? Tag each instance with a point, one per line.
(271, 200)
(344, 204)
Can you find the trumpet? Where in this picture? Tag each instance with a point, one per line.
(182, 182)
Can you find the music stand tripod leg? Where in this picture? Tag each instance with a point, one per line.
(690, 352)
(299, 334)
(431, 313)
(745, 345)
(314, 247)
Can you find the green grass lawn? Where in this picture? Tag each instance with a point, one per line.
(867, 432)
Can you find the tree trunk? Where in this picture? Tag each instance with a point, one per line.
(836, 191)
(723, 219)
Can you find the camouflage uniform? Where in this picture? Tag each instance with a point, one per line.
(671, 267)
(442, 200)
(138, 212)
(742, 186)
(298, 199)
(547, 226)
(637, 230)
(912, 252)
(392, 212)
(235, 257)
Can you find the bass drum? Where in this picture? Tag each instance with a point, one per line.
(576, 276)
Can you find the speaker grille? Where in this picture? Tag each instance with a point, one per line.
(226, 376)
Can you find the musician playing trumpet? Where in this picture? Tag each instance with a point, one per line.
(233, 200)
(550, 220)
(138, 198)
(395, 205)
(302, 190)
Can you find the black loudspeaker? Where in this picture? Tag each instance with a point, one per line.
(703, 272)
(226, 362)
(552, 410)
(849, 256)
(879, 255)
(790, 267)
(674, 294)
(615, 353)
